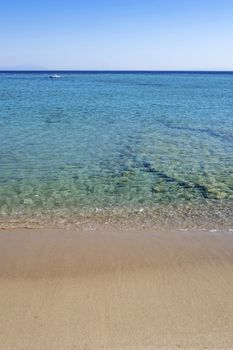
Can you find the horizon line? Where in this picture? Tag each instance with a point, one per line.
(122, 70)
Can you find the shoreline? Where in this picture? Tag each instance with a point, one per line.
(114, 288)
(209, 215)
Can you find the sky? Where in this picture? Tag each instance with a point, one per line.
(116, 34)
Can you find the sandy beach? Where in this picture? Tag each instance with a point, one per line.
(112, 289)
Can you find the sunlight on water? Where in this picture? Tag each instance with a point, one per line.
(154, 148)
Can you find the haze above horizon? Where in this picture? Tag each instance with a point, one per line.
(116, 35)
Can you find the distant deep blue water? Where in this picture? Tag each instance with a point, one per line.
(122, 146)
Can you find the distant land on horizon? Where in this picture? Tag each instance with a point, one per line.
(23, 67)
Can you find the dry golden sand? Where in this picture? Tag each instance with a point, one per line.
(112, 289)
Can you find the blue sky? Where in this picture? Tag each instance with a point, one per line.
(117, 34)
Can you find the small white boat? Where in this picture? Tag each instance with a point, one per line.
(54, 76)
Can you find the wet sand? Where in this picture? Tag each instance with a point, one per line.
(115, 289)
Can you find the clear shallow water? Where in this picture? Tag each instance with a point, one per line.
(142, 147)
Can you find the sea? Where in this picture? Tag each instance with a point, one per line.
(124, 148)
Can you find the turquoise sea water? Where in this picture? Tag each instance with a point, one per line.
(150, 147)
